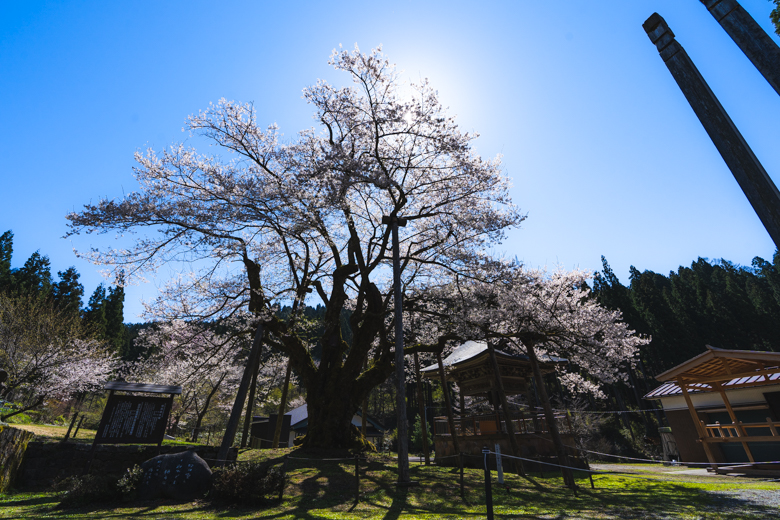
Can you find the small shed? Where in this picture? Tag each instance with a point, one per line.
(723, 407)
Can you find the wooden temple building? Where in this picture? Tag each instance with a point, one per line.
(723, 407)
(470, 367)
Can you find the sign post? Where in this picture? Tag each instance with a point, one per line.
(134, 419)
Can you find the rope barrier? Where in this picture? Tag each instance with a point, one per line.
(654, 461)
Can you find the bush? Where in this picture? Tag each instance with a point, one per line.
(128, 484)
(250, 483)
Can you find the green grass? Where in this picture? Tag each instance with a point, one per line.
(327, 491)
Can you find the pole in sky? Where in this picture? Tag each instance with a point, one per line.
(757, 186)
(757, 45)
(403, 449)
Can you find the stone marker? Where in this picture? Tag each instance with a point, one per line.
(181, 476)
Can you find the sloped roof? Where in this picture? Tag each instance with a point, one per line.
(716, 365)
(473, 349)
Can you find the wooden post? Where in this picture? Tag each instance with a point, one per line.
(695, 417)
(357, 478)
(421, 410)
(72, 421)
(760, 49)
(78, 426)
(448, 404)
(488, 490)
(737, 424)
(756, 184)
(552, 427)
(510, 429)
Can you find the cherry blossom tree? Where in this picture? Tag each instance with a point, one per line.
(207, 365)
(273, 221)
(541, 314)
(44, 356)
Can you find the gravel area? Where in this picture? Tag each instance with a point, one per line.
(739, 500)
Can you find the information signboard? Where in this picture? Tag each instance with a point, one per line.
(133, 419)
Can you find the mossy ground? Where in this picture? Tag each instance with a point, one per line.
(325, 489)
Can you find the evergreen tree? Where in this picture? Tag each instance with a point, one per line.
(114, 313)
(95, 314)
(68, 291)
(34, 277)
(6, 251)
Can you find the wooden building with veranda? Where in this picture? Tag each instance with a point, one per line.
(469, 366)
(723, 407)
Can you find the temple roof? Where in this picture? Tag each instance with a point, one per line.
(473, 351)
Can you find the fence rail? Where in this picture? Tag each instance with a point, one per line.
(741, 432)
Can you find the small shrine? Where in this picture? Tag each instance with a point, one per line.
(470, 367)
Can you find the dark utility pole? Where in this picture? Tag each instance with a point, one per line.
(747, 170)
(403, 440)
(757, 45)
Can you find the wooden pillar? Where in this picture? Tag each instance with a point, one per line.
(737, 425)
(757, 45)
(697, 423)
(757, 186)
(421, 408)
(510, 430)
(448, 404)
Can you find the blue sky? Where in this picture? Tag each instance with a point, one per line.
(605, 154)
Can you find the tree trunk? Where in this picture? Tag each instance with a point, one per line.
(282, 408)
(200, 415)
(560, 449)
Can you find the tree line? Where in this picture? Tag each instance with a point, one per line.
(716, 303)
(102, 318)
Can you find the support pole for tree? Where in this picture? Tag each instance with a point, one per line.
(421, 410)
(238, 405)
(757, 45)
(560, 449)
(250, 407)
(757, 186)
(282, 407)
(403, 427)
(510, 429)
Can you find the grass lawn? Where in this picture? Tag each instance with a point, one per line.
(327, 491)
(46, 432)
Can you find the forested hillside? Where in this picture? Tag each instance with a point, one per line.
(709, 303)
